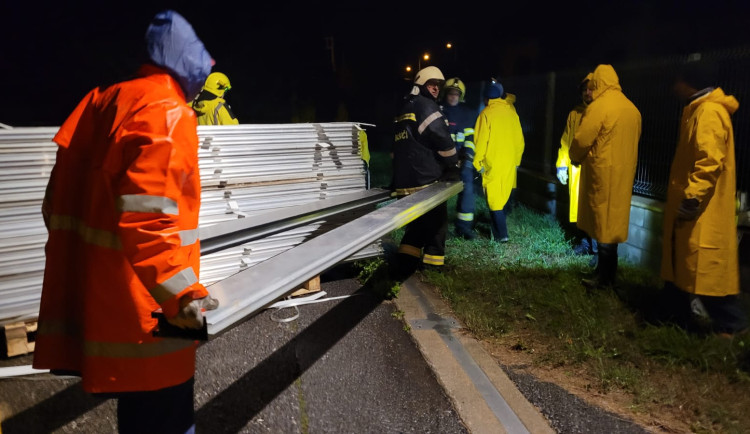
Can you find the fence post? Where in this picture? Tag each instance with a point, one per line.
(549, 122)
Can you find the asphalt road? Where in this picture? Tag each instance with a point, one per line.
(345, 366)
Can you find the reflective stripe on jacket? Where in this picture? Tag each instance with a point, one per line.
(700, 256)
(122, 213)
(422, 148)
(461, 121)
(213, 110)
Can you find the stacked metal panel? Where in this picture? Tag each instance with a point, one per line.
(245, 170)
(26, 159)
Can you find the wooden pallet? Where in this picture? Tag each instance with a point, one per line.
(18, 338)
(312, 285)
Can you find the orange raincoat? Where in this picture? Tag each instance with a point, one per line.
(122, 213)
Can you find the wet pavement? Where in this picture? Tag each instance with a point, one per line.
(343, 366)
(354, 364)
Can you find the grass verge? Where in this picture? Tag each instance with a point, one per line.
(526, 296)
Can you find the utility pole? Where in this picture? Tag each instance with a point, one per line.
(329, 47)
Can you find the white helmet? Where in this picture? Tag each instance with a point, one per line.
(426, 74)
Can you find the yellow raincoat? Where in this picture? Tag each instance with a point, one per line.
(700, 256)
(214, 112)
(499, 146)
(606, 146)
(563, 158)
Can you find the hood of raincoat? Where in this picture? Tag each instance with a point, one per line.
(718, 96)
(603, 79)
(172, 44)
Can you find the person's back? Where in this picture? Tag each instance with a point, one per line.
(210, 105)
(499, 147)
(611, 126)
(499, 132)
(121, 209)
(606, 147)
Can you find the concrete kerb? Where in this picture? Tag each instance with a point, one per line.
(485, 398)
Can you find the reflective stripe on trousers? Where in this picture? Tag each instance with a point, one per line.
(433, 259)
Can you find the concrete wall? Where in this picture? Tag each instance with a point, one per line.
(545, 194)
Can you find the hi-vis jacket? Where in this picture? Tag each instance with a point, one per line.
(213, 110)
(700, 256)
(563, 158)
(422, 148)
(461, 120)
(606, 146)
(500, 145)
(122, 213)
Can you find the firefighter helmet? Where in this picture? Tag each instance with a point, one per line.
(217, 83)
(429, 73)
(455, 83)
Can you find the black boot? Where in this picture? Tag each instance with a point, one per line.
(606, 268)
(464, 230)
(404, 266)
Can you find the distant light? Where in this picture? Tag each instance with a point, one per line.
(426, 56)
(408, 69)
(449, 45)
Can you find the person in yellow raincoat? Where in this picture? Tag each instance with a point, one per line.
(210, 105)
(569, 174)
(606, 147)
(499, 146)
(699, 249)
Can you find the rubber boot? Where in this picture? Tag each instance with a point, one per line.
(499, 226)
(404, 266)
(606, 268)
(464, 230)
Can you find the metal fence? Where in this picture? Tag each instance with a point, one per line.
(544, 101)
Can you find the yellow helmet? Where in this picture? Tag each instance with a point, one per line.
(455, 83)
(217, 83)
(429, 73)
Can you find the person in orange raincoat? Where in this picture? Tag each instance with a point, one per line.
(699, 250)
(606, 147)
(121, 209)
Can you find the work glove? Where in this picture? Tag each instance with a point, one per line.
(562, 175)
(190, 315)
(689, 209)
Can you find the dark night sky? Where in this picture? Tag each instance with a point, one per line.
(276, 58)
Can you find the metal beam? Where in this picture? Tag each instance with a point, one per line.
(247, 292)
(235, 232)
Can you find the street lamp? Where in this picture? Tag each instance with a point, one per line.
(426, 57)
(449, 45)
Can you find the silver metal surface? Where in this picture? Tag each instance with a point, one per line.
(221, 236)
(245, 293)
(246, 171)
